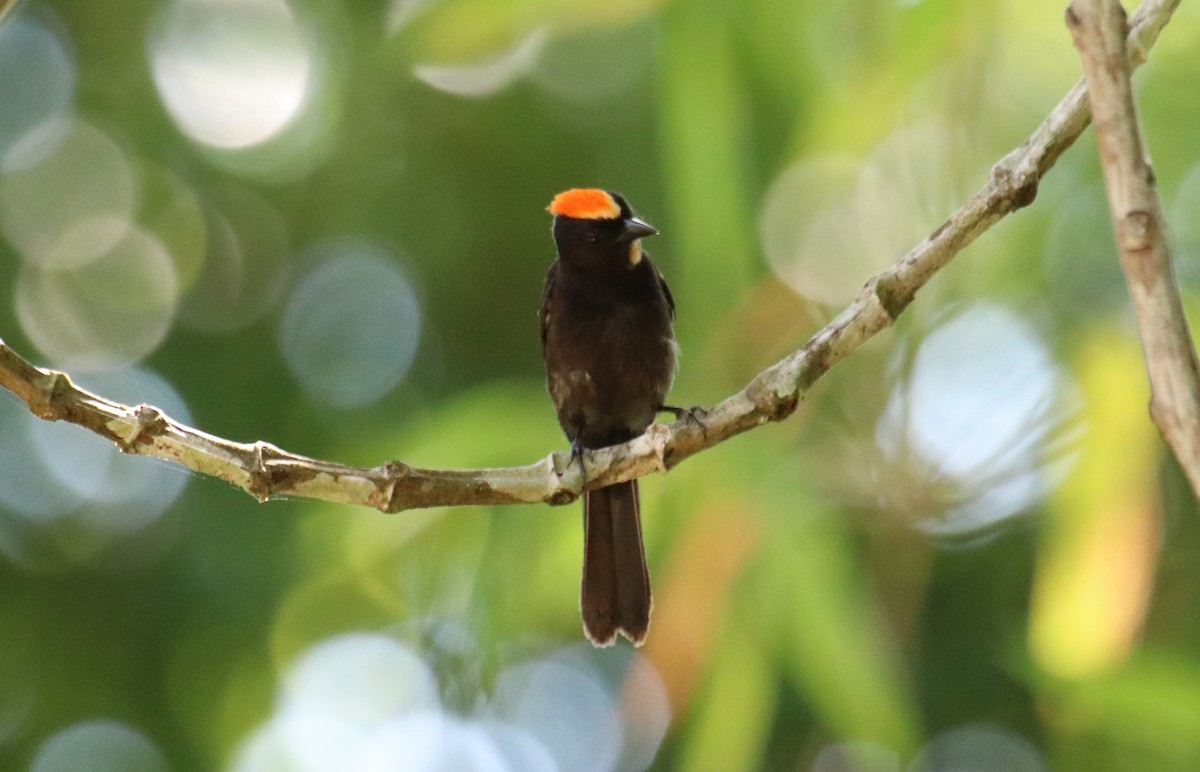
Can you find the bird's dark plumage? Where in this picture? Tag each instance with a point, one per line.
(607, 322)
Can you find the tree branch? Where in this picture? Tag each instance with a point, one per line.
(265, 471)
(1099, 30)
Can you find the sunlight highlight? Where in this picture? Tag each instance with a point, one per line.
(973, 422)
(367, 701)
(351, 328)
(488, 76)
(38, 104)
(67, 495)
(112, 312)
(99, 745)
(232, 73)
(243, 267)
(74, 205)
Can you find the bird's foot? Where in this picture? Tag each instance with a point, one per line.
(577, 455)
(693, 415)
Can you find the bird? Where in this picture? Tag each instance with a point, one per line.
(608, 342)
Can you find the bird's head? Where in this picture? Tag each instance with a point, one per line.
(596, 229)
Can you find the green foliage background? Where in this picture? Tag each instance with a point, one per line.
(798, 602)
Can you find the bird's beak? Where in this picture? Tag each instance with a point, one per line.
(635, 229)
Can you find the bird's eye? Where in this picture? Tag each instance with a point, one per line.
(591, 237)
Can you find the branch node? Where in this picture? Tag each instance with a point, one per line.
(785, 407)
(1020, 186)
(892, 294)
(1025, 192)
(394, 470)
(150, 424)
(387, 477)
(1136, 50)
(57, 388)
(260, 485)
(1136, 232)
(773, 403)
(562, 462)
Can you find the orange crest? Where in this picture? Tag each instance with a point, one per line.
(585, 204)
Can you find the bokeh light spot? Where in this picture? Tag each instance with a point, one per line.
(111, 312)
(520, 749)
(488, 76)
(243, 269)
(99, 746)
(430, 741)
(857, 756)
(28, 490)
(973, 420)
(564, 707)
(139, 489)
(74, 205)
(646, 711)
(636, 688)
(171, 211)
(37, 88)
(401, 12)
(360, 677)
(828, 224)
(335, 698)
(351, 328)
(364, 701)
(65, 493)
(232, 73)
(979, 748)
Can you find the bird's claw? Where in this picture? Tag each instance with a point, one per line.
(693, 415)
(577, 455)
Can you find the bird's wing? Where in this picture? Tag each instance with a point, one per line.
(666, 291)
(543, 311)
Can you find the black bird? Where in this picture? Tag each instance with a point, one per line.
(608, 341)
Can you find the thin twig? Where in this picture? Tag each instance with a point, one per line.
(265, 471)
(1099, 30)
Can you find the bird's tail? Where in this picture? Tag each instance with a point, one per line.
(615, 595)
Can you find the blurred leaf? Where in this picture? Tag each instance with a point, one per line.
(703, 112)
(730, 729)
(694, 590)
(1101, 539)
(216, 685)
(1144, 715)
(826, 629)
